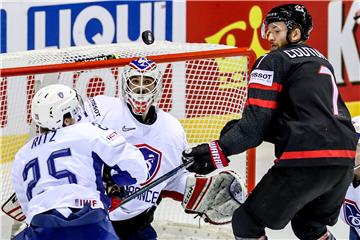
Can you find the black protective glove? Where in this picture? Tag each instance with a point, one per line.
(207, 157)
(112, 189)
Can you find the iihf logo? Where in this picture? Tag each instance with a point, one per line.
(152, 158)
(351, 213)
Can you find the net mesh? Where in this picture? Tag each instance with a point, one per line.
(203, 93)
(100, 52)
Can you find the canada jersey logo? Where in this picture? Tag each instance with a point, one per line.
(351, 213)
(152, 158)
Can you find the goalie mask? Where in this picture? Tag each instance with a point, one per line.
(294, 15)
(52, 102)
(142, 85)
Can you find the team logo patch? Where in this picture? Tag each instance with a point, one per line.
(263, 77)
(152, 157)
(351, 213)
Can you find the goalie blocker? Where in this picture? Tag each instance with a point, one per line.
(214, 198)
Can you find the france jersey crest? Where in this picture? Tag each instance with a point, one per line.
(152, 157)
(351, 213)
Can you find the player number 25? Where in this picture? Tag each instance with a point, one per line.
(34, 166)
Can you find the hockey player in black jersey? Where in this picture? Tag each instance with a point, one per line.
(293, 102)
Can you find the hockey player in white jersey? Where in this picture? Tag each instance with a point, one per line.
(159, 136)
(57, 175)
(350, 212)
(161, 139)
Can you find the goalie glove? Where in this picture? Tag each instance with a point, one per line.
(207, 157)
(214, 198)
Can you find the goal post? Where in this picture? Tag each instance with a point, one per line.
(204, 86)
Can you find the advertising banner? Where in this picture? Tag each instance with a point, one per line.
(28, 25)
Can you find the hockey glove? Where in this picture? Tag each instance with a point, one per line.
(207, 157)
(214, 198)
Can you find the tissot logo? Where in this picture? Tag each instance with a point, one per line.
(98, 23)
(263, 77)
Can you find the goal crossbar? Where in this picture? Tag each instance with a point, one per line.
(86, 65)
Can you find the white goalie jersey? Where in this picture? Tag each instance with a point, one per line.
(62, 168)
(161, 144)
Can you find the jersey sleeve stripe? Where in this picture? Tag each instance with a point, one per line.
(274, 87)
(318, 154)
(262, 103)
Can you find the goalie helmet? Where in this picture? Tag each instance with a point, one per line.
(52, 102)
(142, 85)
(293, 15)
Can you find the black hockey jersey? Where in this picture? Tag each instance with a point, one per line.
(293, 102)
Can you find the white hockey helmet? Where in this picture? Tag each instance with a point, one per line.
(52, 102)
(356, 123)
(142, 85)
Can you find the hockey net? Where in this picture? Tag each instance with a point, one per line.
(204, 86)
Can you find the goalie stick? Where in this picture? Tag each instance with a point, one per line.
(151, 185)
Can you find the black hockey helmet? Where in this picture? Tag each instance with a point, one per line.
(292, 14)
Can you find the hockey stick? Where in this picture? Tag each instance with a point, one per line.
(151, 185)
(357, 166)
(160, 180)
(13, 209)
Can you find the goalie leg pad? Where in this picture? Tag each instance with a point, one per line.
(214, 198)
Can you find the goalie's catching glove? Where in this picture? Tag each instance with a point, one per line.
(214, 198)
(207, 157)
